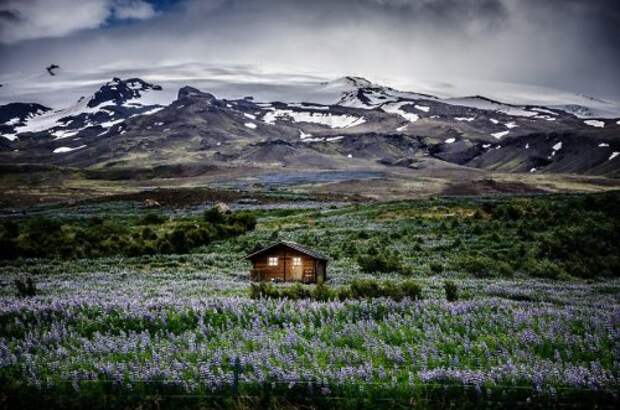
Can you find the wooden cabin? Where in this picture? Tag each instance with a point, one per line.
(288, 261)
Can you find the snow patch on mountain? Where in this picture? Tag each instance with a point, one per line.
(328, 119)
(595, 123)
(423, 108)
(61, 150)
(500, 135)
(396, 108)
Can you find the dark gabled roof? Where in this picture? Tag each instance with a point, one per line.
(292, 245)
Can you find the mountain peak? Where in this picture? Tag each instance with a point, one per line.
(119, 91)
(349, 82)
(191, 92)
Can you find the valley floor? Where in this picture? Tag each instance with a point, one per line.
(168, 328)
(28, 185)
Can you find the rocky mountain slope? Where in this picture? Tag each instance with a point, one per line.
(365, 125)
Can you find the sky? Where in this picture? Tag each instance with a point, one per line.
(572, 45)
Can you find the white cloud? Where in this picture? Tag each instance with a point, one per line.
(133, 9)
(31, 19)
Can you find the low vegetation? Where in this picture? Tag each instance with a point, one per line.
(358, 289)
(96, 237)
(547, 237)
(507, 301)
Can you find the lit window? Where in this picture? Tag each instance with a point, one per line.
(296, 261)
(273, 261)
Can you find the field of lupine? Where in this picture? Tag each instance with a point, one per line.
(162, 326)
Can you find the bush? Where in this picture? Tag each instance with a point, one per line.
(436, 267)
(544, 268)
(214, 216)
(322, 293)
(478, 266)
(451, 290)
(361, 289)
(296, 292)
(411, 289)
(152, 219)
(245, 219)
(178, 240)
(380, 263)
(25, 287)
(484, 266)
(263, 290)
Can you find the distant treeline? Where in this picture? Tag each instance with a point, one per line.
(97, 237)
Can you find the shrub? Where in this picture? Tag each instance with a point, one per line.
(296, 292)
(544, 268)
(478, 266)
(436, 267)
(380, 263)
(25, 287)
(411, 289)
(263, 290)
(245, 219)
(367, 288)
(451, 290)
(148, 233)
(152, 219)
(322, 293)
(178, 240)
(214, 216)
(359, 289)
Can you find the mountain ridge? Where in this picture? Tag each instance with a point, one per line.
(368, 125)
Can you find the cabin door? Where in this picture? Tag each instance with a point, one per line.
(297, 268)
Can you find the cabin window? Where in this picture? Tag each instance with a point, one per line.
(273, 261)
(296, 261)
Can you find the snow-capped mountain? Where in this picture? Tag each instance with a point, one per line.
(16, 115)
(350, 122)
(113, 103)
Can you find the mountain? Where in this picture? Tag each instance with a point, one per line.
(15, 115)
(113, 103)
(353, 123)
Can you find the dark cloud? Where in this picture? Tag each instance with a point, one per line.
(571, 44)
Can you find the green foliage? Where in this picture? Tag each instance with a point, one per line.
(321, 292)
(483, 266)
(365, 288)
(375, 262)
(436, 267)
(214, 216)
(263, 290)
(452, 292)
(152, 219)
(358, 289)
(544, 268)
(25, 287)
(95, 237)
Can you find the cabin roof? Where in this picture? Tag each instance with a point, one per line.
(292, 245)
